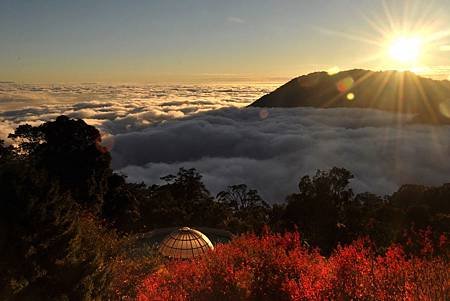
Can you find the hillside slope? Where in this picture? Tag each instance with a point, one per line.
(402, 92)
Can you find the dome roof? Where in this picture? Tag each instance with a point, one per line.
(185, 243)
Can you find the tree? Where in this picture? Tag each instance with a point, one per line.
(123, 203)
(50, 247)
(69, 150)
(53, 245)
(6, 152)
(247, 211)
(320, 206)
(182, 200)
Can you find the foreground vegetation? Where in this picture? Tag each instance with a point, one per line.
(68, 223)
(280, 267)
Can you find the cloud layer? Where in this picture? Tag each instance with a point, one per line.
(154, 130)
(271, 149)
(117, 108)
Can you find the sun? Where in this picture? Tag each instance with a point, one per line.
(405, 50)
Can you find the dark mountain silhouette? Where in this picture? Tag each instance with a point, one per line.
(395, 91)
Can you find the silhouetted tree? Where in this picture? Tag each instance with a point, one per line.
(319, 209)
(246, 210)
(6, 152)
(50, 247)
(182, 200)
(49, 251)
(69, 150)
(123, 204)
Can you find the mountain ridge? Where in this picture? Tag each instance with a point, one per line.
(395, 91)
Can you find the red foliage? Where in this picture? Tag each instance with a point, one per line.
(279, 267)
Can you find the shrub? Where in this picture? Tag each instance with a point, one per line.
(280, 267)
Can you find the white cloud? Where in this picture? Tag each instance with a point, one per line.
(235, 20)
(232, 146)
(118, 108)
(154, 130)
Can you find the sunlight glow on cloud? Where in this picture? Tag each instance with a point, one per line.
(119, 108)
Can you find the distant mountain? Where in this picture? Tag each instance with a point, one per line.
(402, 92)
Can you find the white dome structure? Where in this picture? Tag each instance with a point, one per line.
(185, 243)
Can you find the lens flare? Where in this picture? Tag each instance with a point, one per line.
(345, 84)
(263, 113)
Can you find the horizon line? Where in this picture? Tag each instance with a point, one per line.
(213, 79)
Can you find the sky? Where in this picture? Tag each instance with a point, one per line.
(194, 40)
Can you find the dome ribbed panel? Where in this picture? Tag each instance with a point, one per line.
(185, 243)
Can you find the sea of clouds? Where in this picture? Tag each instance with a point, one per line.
(152, 130)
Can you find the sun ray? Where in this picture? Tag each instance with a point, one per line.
(377, 26)
(345, 91)
(390, 19)
(348, 36)
(425, 100)
(381, 87)
(400, 91)
(434, 116)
